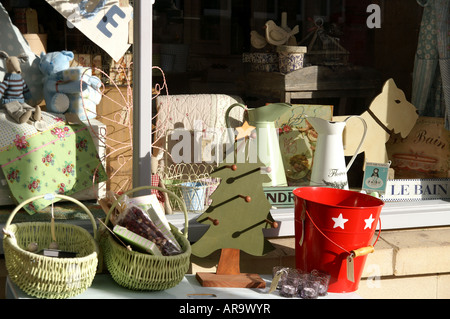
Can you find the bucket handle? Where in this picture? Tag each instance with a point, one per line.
(358, 252)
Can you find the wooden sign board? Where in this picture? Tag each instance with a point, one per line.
(396, 190)
(281, 197)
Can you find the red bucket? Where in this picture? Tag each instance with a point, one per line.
(331, 225)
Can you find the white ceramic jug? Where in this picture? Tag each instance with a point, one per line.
(328, 168)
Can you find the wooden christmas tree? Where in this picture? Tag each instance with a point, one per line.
(238, 212)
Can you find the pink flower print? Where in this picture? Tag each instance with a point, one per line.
(34, 184)
(20, 142)
(48, 158)
(60, 132)
(56, 131)
(82, 144)
(95, 175)
(287, 129)
(61, 188)
(68, 169)
(32, 207)
(13, 175)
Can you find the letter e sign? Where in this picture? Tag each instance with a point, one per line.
(107, 24)
(109, 19)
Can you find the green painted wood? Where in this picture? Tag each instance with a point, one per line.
(239, 223)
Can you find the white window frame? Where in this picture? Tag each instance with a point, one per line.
(142, 92)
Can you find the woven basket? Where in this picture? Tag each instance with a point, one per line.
(142, 271)
(49, 277)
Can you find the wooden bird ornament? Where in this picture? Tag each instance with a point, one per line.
(276, 35)
(257, 40)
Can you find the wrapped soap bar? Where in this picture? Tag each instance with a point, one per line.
(137, 221)
(136, 240)
(288, 291)
(154, 210)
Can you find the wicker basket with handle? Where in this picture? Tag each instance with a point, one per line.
(49, 277)
(142, 271)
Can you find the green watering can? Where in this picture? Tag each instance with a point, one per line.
(267, 143)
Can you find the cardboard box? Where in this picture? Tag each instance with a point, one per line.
(93, 61)
(119, 163)
(26, 20)
(37, 42)
(121, 71)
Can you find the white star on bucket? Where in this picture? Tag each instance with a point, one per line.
(369, 221)
(339, 221)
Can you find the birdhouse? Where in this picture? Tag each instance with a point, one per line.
(323, 48)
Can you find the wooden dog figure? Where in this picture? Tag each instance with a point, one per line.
(389, 113)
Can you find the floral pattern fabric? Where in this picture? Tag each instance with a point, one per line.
(61, 160)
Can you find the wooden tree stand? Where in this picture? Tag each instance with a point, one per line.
(228, 273)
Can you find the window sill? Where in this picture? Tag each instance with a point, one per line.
(394, 215)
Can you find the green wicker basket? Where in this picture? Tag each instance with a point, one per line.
(141, 271)
(49, 277)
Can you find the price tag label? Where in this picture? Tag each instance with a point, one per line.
(350, 268)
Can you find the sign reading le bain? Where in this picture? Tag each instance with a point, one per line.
(396, 190)
(105, 22)
(417, 189)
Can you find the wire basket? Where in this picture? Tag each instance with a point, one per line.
(142, 271)
(49, 277)
(190, 182)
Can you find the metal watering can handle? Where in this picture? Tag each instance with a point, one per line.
(362, 139)
(227, 113)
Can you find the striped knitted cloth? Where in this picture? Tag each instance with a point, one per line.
(14, 88)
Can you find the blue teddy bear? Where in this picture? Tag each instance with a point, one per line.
(68, 89)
